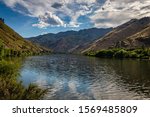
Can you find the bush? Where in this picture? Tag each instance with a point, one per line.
(104, 53)
(121, 54)
(11, 88)
(133, 54)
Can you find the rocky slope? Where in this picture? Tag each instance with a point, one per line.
(133, 34)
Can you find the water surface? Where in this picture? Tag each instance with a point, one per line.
(81, 77)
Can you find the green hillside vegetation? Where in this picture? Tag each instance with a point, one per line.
(6, 52)
(141, 53)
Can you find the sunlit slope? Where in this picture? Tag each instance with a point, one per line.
(12, 40)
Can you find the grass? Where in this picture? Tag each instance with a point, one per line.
(13, 45)
(12, 89)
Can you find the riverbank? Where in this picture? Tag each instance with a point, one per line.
(141, 53)
(11, 88)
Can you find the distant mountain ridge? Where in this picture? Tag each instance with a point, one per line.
(70, 41)
(133, 34)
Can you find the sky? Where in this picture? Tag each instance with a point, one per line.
(36, 17)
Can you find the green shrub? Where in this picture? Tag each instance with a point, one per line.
(121, 54)
(12, 88)
(133, 54)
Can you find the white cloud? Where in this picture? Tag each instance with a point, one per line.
(102, 13)
(49, 19)
(48, 11)
(116, 12)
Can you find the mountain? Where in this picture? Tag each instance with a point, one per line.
(12, 40)
(70, 41)
(133, 34)
(140, 39)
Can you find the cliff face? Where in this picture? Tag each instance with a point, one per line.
(135, 33)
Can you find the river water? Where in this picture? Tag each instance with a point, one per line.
(80, 77)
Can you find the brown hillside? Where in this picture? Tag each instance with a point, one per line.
(140, 39)
(13, 40)
(117, 37)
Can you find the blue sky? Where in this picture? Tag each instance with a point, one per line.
(35, 17)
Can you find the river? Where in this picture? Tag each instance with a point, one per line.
(70, 77)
